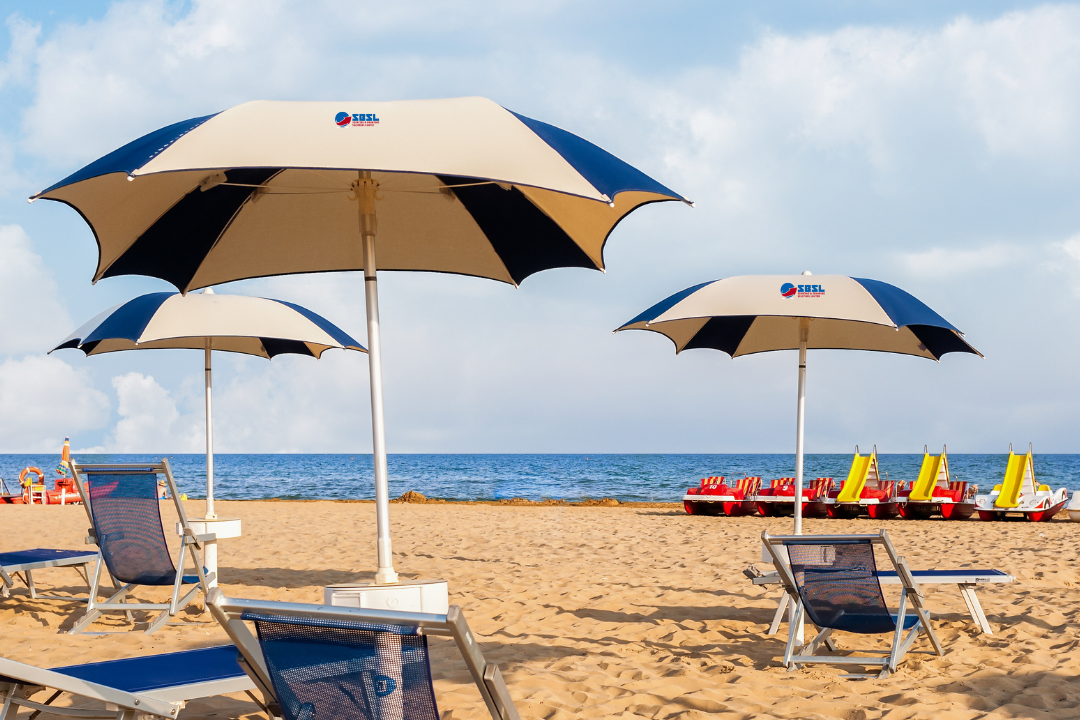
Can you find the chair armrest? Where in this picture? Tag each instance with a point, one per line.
(190, 538)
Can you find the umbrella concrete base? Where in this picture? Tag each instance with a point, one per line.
(422, 596)
(222, 528)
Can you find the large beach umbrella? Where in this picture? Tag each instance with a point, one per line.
(760, 313)
(270, 188)
(205, 321)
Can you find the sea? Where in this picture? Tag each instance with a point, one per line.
(642, 478)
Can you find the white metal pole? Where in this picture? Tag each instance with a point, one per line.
(800, 424)
(209, 440)
(366, 187)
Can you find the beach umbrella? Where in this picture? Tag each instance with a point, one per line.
(459, 185)
(204, 321)
(761, 313)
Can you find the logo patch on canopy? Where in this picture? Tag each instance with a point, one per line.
(789, 290)
(344, 119)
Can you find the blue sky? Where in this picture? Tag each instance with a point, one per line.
(932, 145)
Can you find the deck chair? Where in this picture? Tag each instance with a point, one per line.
(22, 564)
(833, 580)
(318, 662)
(150, 686)
(122, 504)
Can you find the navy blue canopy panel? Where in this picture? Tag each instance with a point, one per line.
(838, 584)
(346, 670)
(134, 155)
(933, 331)
(604, 171)
(663, 306)
(127, 520)
(156, 672)
(325, 325)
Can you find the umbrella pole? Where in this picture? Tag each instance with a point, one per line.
(800, 424)
(209, 442)
(366, 188)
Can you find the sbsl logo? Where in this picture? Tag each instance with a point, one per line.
(788, 290)
(344, 119)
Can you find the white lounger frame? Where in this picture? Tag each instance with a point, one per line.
(487, 677)
(909, 592)
(18, 681)
(190, 543)
(24, 571)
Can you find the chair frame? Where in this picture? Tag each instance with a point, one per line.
(24, 571)
(487, 677)
(19, 681)
(909, 593)
(189, 545)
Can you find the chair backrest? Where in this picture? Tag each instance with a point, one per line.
(346, 670)
(712, 481)
(783, 482)
(318, 662)
(838, 583)
(749, 485)
(122, 501)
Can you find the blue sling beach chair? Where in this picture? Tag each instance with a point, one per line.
(833, 580)
(125, 516)
(318, 662)
(154, 686)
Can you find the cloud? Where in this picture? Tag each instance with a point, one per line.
(947, 262)
(150, 421)
(32, 314)
(911, 154)
(45, 399)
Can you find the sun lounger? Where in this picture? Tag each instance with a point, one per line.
(23, 563)
(834, 582)
(320, 662)
(122, 504)
(149, 686)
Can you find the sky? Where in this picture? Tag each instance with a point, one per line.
(931, 145)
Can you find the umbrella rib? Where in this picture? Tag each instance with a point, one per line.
(283, 190)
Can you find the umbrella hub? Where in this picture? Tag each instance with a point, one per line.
(365, 190)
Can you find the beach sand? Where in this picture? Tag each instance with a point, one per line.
(615, 611)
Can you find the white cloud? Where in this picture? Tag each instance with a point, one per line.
(44, 399)
(32, 314)
(939, 262)
(149, 419)
(16, 67)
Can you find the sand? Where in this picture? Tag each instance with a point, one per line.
(615, 611)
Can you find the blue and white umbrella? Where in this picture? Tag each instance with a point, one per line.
(460, 185)
(205, 321)
(761, 313)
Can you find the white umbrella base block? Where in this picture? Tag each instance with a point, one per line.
(423, 596)
(222, 527)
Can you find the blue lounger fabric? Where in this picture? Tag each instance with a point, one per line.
(839, 586)
(154, 672)
(127, 520)
(22, 557)
(346, 670)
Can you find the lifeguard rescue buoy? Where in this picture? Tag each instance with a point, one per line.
(26, 471)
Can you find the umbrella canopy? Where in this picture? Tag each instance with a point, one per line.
(460, 186)
(233, 323)
(267, 188)
(760, 313)
(205, 321)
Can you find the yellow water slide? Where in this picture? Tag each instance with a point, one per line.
(1019, 470)
(856, 479)
(934, 468)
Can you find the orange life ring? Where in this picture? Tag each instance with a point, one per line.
(26, 471)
